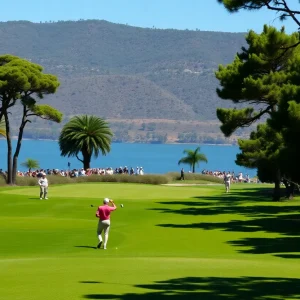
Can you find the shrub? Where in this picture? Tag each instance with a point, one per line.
(145, 179)
(55, 179)
(195, 176)
(26, 181)
(2, 180)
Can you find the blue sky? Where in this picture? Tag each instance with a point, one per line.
(177, 14)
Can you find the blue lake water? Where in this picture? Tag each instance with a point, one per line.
(154, 158)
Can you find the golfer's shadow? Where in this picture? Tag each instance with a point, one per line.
(88, 247)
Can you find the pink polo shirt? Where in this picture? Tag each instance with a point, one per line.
(103, 212)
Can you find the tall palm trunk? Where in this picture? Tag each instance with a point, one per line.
(86, 158)
(86, 162)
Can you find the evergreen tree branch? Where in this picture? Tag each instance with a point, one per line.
(286, 49)
(41, 117)
(249, 122)
(285, 9)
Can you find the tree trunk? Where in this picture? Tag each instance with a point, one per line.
(193, 168)
(276, 194)
(86, 162)
(86, 158)
(9, 150)
(18, 147)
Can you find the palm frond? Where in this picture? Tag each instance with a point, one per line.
(192, 158)
(85, 132)
(30, 163)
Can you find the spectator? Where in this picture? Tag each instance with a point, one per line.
(43, 183)
(182, 174)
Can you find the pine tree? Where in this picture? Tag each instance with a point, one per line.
(266, 77)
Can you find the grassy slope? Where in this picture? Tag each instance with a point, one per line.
(165, 242)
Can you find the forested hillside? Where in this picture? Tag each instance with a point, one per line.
(127, 74)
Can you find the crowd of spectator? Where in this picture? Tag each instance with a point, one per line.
(121, 170)
(81, 172)
(234, 177)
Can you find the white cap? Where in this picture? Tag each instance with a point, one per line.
(106, 200)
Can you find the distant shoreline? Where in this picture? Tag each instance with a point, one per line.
(174, 143)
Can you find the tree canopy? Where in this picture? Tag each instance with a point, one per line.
(20, 78)
(265, 75)
(262, 151)
(24, 82)
(88, 135)
(259, 75)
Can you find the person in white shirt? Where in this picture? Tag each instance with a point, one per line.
(241, 179)
(141, 171)
(43, 183)
(227, 179)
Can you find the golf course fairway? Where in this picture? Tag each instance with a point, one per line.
(187, 242)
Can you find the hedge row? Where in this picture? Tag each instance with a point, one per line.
(2, 180)
(54, 179)
(145, 179)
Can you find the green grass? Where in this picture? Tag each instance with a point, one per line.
(166, 243)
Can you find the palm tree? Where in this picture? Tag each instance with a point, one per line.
(86, 134)
(30, 163)
(2, 128)
(192, 158)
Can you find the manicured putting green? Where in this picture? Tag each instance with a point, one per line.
(166, 243)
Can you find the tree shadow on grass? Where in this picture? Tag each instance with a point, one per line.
(245, 203)
(258, 193)
(287, 227)
(269, 245)
(211, 210)
(232, 203)
(292, 256)
(282, 224)
(281, 220)
(219, 288)
(249, 195)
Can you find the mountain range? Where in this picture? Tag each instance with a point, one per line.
(128, 75)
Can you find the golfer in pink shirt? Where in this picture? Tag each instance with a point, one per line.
(103, 213)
